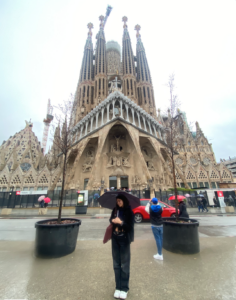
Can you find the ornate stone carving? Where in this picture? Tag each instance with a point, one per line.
(206, 161)
(193, 161)
(116, 157)
(87, 166)
(179, 161)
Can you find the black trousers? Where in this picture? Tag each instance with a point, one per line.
(121, 261)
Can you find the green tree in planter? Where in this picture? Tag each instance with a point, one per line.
(64, 139)
(172, 138)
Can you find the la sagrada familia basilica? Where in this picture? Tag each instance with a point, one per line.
(119, 137)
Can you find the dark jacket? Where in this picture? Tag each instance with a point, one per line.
(128, 223)
(155, 216)
(183, 210)
(204, 202)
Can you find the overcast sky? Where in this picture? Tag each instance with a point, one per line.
(41, 49)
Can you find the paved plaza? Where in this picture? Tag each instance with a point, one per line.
(88, 274)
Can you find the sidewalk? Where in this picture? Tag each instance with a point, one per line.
(52, 212)
(87, 274)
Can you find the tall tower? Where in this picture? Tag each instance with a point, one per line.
(144, 81)
(100, 65)
(129, 73)
(84, 96)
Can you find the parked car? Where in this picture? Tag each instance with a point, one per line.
(140, 214)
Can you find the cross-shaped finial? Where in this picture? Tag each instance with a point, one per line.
(137, 28)
(125, 19)
(90, 26)
(101, 18)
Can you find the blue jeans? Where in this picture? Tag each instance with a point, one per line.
(158, 235)
(200, 207)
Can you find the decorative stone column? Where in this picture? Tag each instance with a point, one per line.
(121, 110)
(108, 119)
(118, 182)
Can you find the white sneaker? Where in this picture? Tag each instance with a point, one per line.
(123, 295)
(117, 294)
(157, 256)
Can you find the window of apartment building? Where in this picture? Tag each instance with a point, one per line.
(194, 185)
(25, 189)
(206, 184)
(182, 185)
(39, 188)
(213, 184)
(201, 184)
(4, 189)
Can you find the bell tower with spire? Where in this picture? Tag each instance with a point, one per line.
(129, 73)
(84, 96)
(144, 81)
(100, 65)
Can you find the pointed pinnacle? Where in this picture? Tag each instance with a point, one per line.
(101, 18)
(90, 27)
(125, 19)
(137, 28)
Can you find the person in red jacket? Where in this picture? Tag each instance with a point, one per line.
(155, 212)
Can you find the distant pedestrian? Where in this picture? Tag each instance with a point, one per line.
(183, 210)
(199, 204)
(155, 211)
(204, 203)
(122, 218)
(41, 201)
(215, 202)
(231, 200)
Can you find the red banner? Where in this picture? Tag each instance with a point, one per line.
(220, 194)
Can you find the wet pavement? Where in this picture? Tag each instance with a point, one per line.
(88, 274)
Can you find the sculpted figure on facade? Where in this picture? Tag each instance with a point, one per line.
(89, 160)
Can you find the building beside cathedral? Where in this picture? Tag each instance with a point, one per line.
(119, 137)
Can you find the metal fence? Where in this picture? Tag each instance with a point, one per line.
(70, 198)
(191, 201)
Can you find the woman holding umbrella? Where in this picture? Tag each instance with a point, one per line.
(182, 209)
(41, 201)
(122, 219)
(46, 201)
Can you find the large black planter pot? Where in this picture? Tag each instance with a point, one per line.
(181, 237)
(56, 240)
(81, 209)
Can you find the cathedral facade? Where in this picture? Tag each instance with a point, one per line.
(119, 137)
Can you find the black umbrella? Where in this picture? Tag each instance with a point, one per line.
(108, 199)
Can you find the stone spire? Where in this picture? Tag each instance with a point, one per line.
(84, 96)
(129, 73)
(100, 65)
(144, 81)
(199, 131)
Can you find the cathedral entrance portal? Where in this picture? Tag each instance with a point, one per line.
(124, 182)
(113, 182)
(118, 182)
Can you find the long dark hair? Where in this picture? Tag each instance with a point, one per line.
(124, 199)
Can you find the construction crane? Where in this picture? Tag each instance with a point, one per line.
(108, 11)
(47, 121)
